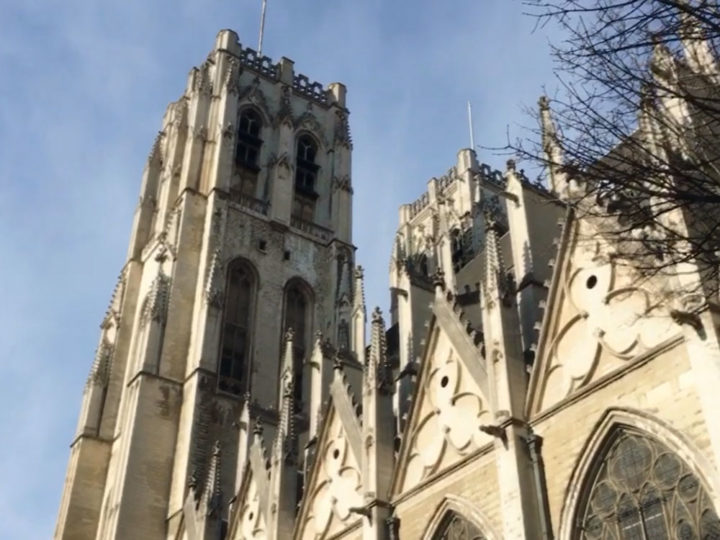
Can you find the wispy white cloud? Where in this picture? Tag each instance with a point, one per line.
(85, 87)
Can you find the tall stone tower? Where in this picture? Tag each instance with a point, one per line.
(242, 236)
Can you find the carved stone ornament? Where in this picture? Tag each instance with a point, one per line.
(231, 82)
(342, 130)
(100, 372)
(339, 485)
(213, 291)
(342, 183)
(256, 96)
(449, 418)
(227, 131)
(284, 114)
(281, 161)
(200, 133)
(309, 121)
(602, 313)
(202, 82)
(156, 155)
(155, 305)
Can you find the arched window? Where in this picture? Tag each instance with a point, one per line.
(297, 316)
(642, 490)
(456, 527)
(305, 178)
(247, 152)
(236, 329)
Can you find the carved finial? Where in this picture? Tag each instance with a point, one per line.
(662, 62)
(258, 428)
(378, 370)
(155, 157)
(193, 480)
(289, 334)
(438, 279)
(496, 282)
(552, 149)
(161, 255)
(510, 165)
(697, 49)
(359, 290)
(212, 494)
(337, 364)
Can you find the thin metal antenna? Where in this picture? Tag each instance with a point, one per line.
(262, 27)
(470, 125)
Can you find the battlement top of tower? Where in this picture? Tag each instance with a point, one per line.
(467, 167)
(282, 71)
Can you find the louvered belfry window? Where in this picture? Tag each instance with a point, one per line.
(644, 491)
(456, 527)
(247, 154)
(305, 179)
(236, 329)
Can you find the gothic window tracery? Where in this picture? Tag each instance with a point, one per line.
(462, 252)
(235, 341)
(247, 151)
(297, 315)
(456, 527)
(305, 178)
(641, 490)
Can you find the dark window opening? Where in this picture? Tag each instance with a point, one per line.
(297, 308)
(247, 152)
(248, 145)
(234, 345)
(461, 247)
(305, 178)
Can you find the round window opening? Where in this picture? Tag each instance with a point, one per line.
(444, 381)
(591, 282)
(336, 453)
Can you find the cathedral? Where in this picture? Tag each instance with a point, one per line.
(522, 384)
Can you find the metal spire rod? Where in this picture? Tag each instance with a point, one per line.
(470, 124)
(262, 27)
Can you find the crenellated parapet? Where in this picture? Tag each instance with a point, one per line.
(248, 58)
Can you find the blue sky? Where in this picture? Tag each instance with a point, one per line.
(84, 87)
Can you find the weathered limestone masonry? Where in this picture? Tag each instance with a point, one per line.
(528, 385)
(216, 191)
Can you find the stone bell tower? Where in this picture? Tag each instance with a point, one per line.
(242, 232)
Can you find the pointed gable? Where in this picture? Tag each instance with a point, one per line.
(450, 403)
(599, 316)
(249, 520)
(335, 482)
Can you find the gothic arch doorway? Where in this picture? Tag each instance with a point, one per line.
(640, 489)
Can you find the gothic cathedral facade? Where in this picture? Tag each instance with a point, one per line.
(524, 386)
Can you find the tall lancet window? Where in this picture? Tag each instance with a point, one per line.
(247, 154)
(297, 317)
(642, 490)
(237, 320)
(305, 179)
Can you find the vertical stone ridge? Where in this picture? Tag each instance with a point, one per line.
(552, 149)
